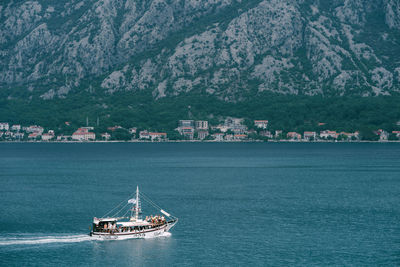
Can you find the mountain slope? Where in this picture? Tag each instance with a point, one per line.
(226, 48)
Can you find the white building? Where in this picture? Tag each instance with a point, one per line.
(267, 134)
(16, 127)
(218, 137)
(34, 129)
(240, 137)
(105, 136)
(310, 135)
(132, 130)
(83, 134)
(327, 134)
(202, 134)
(4, 126)
(187, 132)
(222, 128)
(293, 136)
(397, 133)
(63, 137)
(186, 128)
(383, 136)
(186, 123)
(229, 121)
(202, 125)
(47, 136)
(19, 136)
(262, 124)
(278, 133)
(144, 135)
(355, 135)
(158, 136)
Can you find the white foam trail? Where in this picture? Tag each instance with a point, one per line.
(7, 241)
(166, 234)
(37, 240)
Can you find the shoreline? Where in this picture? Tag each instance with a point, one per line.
(198, 141)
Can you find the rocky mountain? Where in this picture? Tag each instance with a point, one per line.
(227, 48)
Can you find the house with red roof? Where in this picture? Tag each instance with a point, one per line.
(397, 133)
(293, 136)
(83, 134)
(310, 135)
(328, 134)
(157, 136)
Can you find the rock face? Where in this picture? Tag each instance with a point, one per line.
(226, 48)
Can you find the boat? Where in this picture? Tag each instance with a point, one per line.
(116, 226)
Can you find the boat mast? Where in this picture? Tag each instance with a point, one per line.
(137, 203)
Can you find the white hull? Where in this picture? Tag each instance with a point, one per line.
(161, 232)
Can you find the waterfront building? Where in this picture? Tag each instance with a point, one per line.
(261, 124)
(229, 121)
(397, 133)
(266, 134)
(293, 136)
(34, 129)
(201, 125)
(218, 137)
(328, 134)
(158, 136)
(278, 133)
(16, 127)
(105, 136)
(47, 136)
(186, 123)
(228, 137)
(202, 134)
(350, 135)
(239, 129)
(63, 137)
(187, 132)
(240, 137)
(383, 135)
(19, 135)
(34, 136)
(235, 125)
(4, 126)
(144, 134)
(222, 128)
(310, 136)
(186, 128)
(83, 134)
(133, 130)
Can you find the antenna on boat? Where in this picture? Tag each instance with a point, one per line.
(137, 203)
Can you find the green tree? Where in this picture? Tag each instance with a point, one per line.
(121, 134)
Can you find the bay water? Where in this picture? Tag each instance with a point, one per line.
(257, 204)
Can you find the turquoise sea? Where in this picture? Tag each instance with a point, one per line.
(256, 204)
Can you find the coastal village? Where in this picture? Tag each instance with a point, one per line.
(229, 130)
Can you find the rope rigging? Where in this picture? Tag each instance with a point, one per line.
(124, 201)
(144, 197)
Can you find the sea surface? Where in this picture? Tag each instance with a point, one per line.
(238, 204)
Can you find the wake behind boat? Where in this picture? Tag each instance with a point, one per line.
(133, 226)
